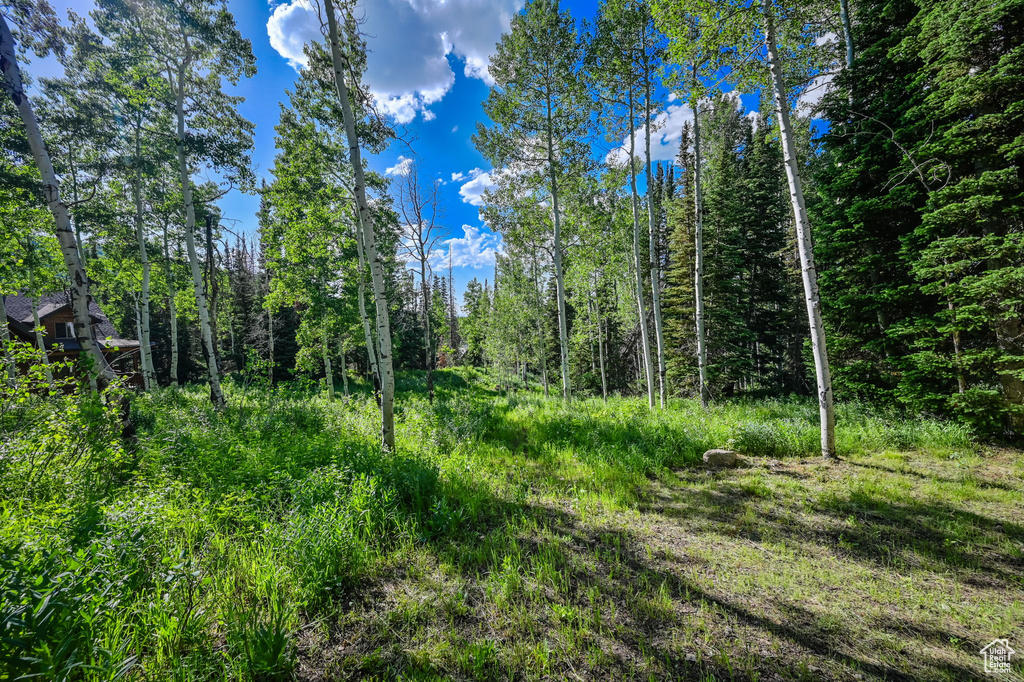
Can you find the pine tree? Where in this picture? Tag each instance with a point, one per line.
(868, 207)
(973, 232)
(678, 309)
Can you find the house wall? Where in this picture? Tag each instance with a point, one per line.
(64, 315)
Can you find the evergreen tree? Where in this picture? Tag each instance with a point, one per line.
(679, 297)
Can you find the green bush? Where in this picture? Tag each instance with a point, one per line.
(53, 613)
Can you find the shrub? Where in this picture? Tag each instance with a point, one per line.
(261, 639)
(52, 612)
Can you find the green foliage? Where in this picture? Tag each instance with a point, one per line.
(920, 195)
(56, 612)
(59, 441)
(240, 526)
(262, 640)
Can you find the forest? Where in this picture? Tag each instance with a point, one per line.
(754, 412)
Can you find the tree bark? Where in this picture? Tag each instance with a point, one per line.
(563, 329)
(371, 352)
(100, 372)
(600, 346)
(803, 235)
(645, 341)
(427, 349)
(213, 288)
(540, 328)
(5, 338)
(328, 369)
(844, 15)
(698, 262)
(652, 239)
(148, 373)
(216, 395)
(172, 312)
(138, 332)
(340, 64)
(342, 351)
(40, 343)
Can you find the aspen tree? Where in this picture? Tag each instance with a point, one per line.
(342, 42)
(540, 106)
(751, 40)
(40, 23)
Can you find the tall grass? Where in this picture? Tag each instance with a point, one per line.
(225, 531)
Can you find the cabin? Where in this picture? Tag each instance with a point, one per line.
(57, 319)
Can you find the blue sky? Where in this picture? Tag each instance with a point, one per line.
(427, 68)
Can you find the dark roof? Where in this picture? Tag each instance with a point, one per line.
(19, 310)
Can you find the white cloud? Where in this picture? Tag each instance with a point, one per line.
(826, 38)
(409, 42)
(665, 135)
(429, 115)
(402, 167)
(455, 129)
(811, 97)
(290, 27)
(456, 177)
(480, 181)
(402, 109)
(477, 248)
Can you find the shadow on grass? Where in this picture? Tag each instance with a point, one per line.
(929, 475)
(652, 621)
(890, 534)
(605, 606)
(733, 638)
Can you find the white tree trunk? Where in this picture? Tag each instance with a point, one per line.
(385, 359)
(12, 85)
(328, 369)
(216, 395)
(556, 218)
(645, 341)
(171, 310)
(5, 337)
(540, 328)
(343, 353)
(803, 236)
(371, 351)
(844, 15)
(652, 246)
(138, 332)
(40, 343)
(600, 346)
(148, 372)
(428, 351)
(698, 262)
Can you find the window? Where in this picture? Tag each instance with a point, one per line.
(64, 330)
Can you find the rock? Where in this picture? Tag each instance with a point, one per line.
(720, 458)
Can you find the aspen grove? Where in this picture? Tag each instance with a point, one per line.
(722, 380)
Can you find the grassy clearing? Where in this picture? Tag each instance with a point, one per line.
(513, 538)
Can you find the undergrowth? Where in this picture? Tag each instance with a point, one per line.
(208, 545)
